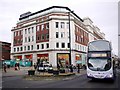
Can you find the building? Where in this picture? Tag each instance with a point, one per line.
(5, 49)
(44, 36)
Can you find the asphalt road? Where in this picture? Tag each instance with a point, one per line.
(77, 82)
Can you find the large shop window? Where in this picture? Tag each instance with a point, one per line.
(78, 58)
(42, 58)
(62, 60)
(29, 57)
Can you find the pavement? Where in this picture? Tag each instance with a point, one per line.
(24, 71)
(13, 72)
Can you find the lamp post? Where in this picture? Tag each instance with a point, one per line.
(69, 39)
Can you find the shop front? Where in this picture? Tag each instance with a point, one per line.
(18, 57)
(43, 58)
(29, 58)
(62, 59)
(78, 59)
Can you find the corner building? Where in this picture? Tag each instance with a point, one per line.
(44, 36)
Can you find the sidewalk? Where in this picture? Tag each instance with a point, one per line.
(12, 72)
(24, 71)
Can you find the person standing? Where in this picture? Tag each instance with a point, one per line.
(71, 68)
(35, 66)
(5, 67)
(78, 67)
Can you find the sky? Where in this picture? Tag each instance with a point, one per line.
(103, 13)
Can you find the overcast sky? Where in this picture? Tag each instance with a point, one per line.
(103, 13)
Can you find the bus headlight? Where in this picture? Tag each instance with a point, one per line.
(109, 76)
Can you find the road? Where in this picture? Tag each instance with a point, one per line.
(79, 81)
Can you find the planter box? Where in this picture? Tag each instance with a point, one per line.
(50, 71)
(55, 72)
(62, 71)
(31, 72)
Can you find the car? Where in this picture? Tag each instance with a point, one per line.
(44, 68)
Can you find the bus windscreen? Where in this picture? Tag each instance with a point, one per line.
(99, 46)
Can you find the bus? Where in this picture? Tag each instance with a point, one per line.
(99, 60)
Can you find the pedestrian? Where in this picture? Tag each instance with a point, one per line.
(78, 68)
(5, 67)
(35, 66)
(71, 68)
(18, 65)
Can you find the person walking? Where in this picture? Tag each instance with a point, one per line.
(5, 67)
(18, 65)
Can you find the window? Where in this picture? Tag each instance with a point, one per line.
(68, 34)
(21, 49)
(38, 37)
(68, 45)
(18, 33)
(57, 45)
(63, 45)
(80, 48)
(62, 25)
(32, 38)
(42, 46)
(42, 37)
(57, 24)
(21, 32)
(28, 47)
(31, 47)
(47, 45)
(25, 39)
(29, 39)
(77, 38)
(57, 34)
(14, 49)
(32, 29)
(29, 30)
(47, 26)
(18, 41)
(42, 27)
(37, 46)
(14, 33)
(47, 36)
(62, 34)
(37, 27)
(17, 48)
(67, 25)
(25, 48)
(25, 31)
(75, 46)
